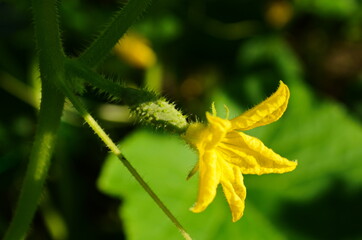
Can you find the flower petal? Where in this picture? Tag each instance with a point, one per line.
(252, 156)
(234, 189)
(264, 113)
(209, 179)
(217, 129)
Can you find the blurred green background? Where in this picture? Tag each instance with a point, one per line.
(232, 52)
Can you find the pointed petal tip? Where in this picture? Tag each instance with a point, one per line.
(285, 87)
(236, 216)
(282, 84)
(294, 164)
(196, 208)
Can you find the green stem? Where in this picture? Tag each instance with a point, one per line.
(115, 150)
(104, 43)
(146, 107)
(51, 68)
(49, 119)
(129, 96)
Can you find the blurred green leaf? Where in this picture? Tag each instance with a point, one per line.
(326, 8)
(160, 29)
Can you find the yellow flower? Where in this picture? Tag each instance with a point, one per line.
(225, 153)
(135, 50)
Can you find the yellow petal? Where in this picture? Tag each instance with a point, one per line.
(209, 179)
(252, 156)
(195, 134)
(264, 113)
(223, 125)
(217, 129)
(234, 189)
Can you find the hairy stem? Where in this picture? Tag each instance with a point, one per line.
(115, 150)
(146, 107)
(51, 68)
(104, 43)
(129, 96)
